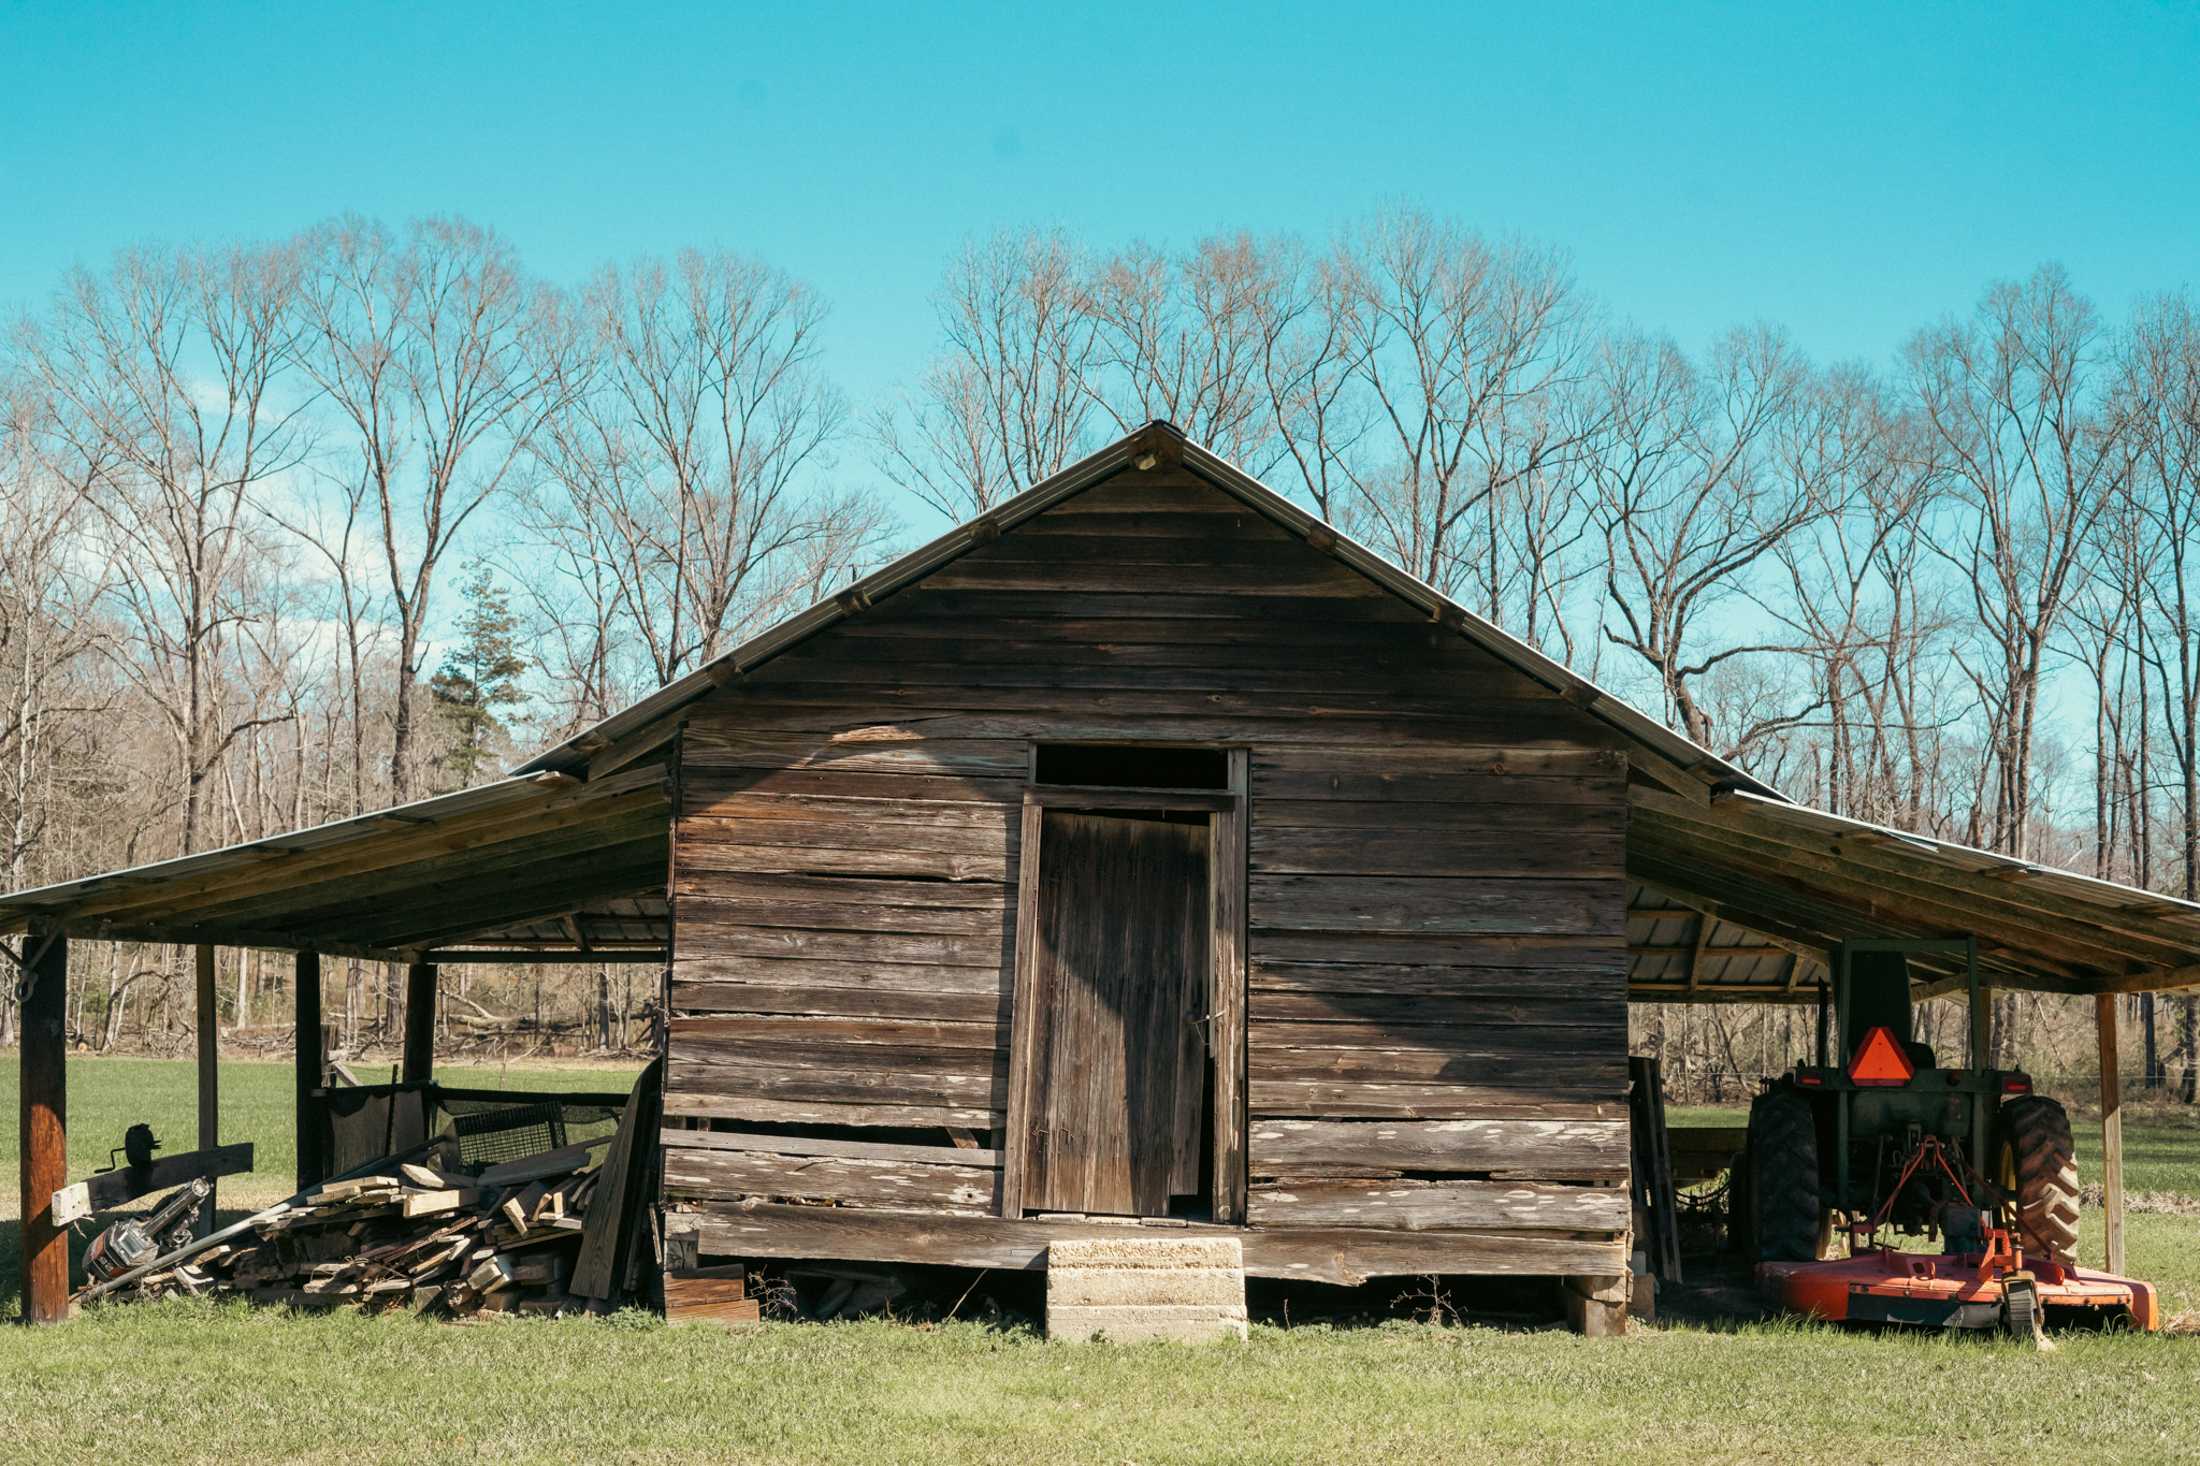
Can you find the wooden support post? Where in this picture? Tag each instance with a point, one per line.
(210, 1109)
(44, 1119)
(1596, 1306)
(419, 1023)
(2112, 1133)
(311, 1062)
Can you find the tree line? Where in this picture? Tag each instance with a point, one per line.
(297, 528)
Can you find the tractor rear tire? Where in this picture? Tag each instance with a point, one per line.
(2039, 1168)
(1787, 1212)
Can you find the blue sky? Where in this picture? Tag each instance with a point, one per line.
(1850, 171)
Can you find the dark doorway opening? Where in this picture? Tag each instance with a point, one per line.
(1130, 766)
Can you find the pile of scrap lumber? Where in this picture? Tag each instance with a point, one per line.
(415, 1237)
(553, 1233)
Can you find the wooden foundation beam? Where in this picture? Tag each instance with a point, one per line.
(2112, 1133)
(1342, 1255)
(311, 1061)
(208, 1017)
(43, 1103)
(419, 1023)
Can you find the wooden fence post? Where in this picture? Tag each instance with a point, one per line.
(311, 1069)
(210, 1109)
(419, 1023)
(2112, 1133)
(43, 1103)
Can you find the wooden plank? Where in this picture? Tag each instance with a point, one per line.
(1441, 1042)
(1406, 849)
(720, 742)
(837, 1110)
(1562, 1063)
(42, 1104)
(1370, 1017)
(1303, 783)
(1023, 1071)
(989, 1007)
(1418, 1206)
(851, 804)
(785, 1033)
(1336, 955)
(1340, 1255)
(692, 1173)
(891, 948)
(308, 1060)
(1100, 574)
(1549, 1149)
(1521, 1097)
(764, 909)
(706, 786)
(747, 859)
(853, 830)
(1260, 607)
(2112, 1132)
(207, 1018)
(964, 1092)
(1227, 1024)
(952, 1153)
(105, 1190)
(1438, 907)
(797, 970)
(716, 1295)
(608, 1232)
(1434, 821)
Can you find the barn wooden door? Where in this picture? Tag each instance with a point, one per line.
(1121, 940)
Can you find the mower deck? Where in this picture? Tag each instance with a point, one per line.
(1953, 1290)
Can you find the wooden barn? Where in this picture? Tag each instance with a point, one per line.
(1142, 855)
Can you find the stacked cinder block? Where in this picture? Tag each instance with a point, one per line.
(1190, 1289)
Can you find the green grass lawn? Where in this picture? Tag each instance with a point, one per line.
(193, 1381)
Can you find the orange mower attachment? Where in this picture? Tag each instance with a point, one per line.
(1996, 1288)
(1993, 1287)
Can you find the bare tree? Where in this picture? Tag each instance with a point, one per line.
(2006, 397)
(1007, 403)
(679, 462)
(1464, 348)
(426, 348)
(2154, 416)
(1701, 475)
(166, 375)
(1180, 338)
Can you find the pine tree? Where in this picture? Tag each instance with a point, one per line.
(479, 676)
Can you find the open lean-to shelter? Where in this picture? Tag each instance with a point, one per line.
(1143, 849)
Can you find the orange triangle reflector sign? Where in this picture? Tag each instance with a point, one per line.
(1881, 1060)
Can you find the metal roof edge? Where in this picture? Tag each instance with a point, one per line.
(1929, 846)
(27, 904)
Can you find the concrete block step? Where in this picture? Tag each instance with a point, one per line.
(1133, 1289)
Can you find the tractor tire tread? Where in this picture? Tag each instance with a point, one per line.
(1783, 1167)
(2036, 1132)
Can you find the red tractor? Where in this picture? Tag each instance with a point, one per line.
(1886, 1140)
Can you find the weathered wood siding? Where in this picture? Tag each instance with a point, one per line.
(1436, 943)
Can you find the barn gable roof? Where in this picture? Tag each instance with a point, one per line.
(1156, 444)
(1735, 892)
